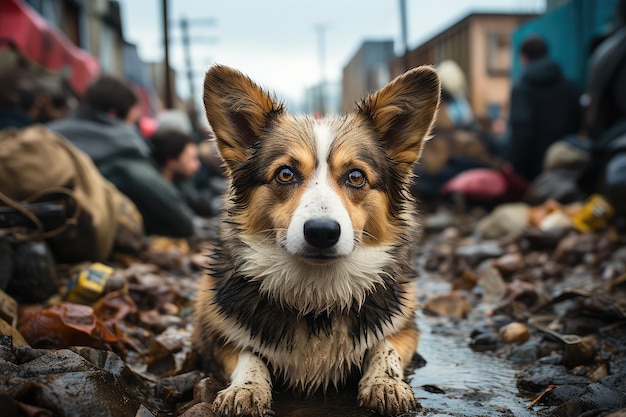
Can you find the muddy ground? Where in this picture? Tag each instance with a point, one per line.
(524, 325)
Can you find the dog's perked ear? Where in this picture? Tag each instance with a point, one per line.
(237, 109)
(403, 113)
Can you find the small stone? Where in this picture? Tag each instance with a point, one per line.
(538, 377)
(453, 303)
(206, 390)
(485, 341)
(202, 409)
(525, 353)
(514, 333)
(509, 263)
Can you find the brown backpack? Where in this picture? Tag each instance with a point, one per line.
(44, 177)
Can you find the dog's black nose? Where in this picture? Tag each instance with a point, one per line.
(321, 233)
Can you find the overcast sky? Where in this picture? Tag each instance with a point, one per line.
(278, 42)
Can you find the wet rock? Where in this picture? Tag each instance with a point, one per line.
(536, 378)
(514, 333)
(596, 396)
(7, 353)
(509, 263)
(433, 389)
(199, 410)
(169, 355)
(526, 352)
(551, 358)
(485, 341)
(535, 239)
(206, 390)
(561, 394)
(453, 304)
(66, 383)
(179, 387)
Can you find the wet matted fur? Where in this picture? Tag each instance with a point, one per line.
(312, 279)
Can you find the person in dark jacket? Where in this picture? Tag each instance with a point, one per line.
(175, 154)
(544, 108)
(103, 126)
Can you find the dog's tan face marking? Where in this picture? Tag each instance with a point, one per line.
(272, 204)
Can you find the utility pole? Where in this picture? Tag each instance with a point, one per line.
(321, 32)
(169, 102)
(404, 35)
(186, 40)
(184, 29)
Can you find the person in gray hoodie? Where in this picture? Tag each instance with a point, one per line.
(103, 126)
(545, 107)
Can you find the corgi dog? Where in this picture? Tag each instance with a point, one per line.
(312, 279)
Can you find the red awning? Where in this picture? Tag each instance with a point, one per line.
(44, 44)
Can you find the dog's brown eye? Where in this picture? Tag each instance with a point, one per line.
(285, 175)
(356, 179)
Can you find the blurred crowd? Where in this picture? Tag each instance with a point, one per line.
(82, 177)
(560, 143)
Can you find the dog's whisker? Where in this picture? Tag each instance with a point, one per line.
(271, 238)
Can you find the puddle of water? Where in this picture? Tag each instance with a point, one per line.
(473, 384)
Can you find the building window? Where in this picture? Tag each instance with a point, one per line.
(498, 54)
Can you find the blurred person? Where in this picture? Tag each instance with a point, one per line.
(104, 126)
(544, 108)
(26, 98)
(605, 116)
(454, 95)
(456, 146)
(175, 154)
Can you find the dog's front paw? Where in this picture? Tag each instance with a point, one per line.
(252, 400)
(386, 395)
